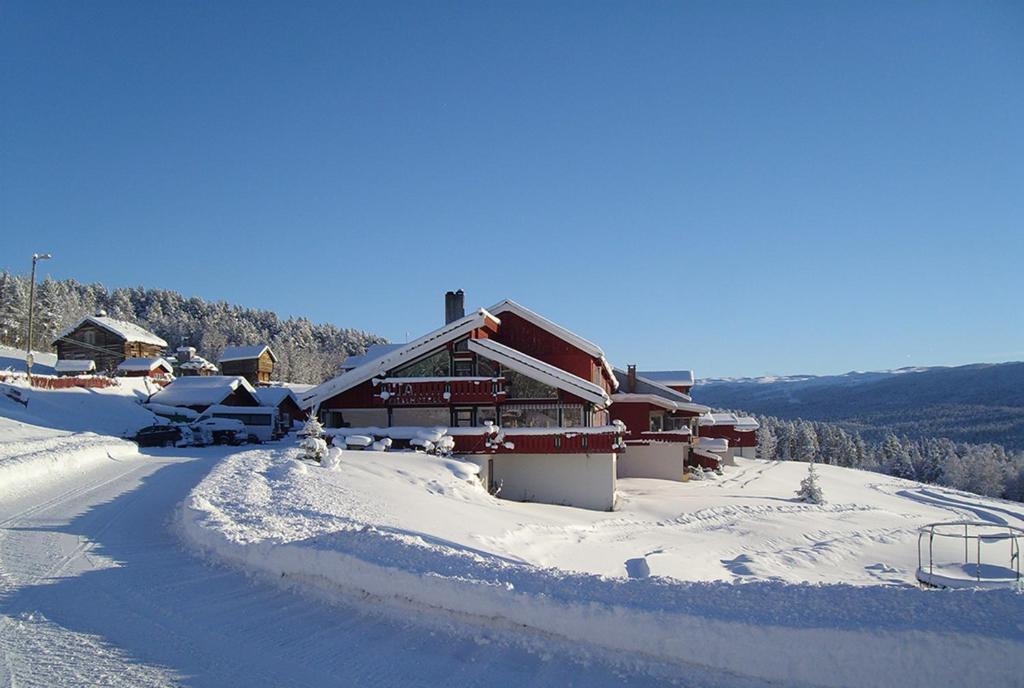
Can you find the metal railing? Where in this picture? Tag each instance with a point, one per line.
(972, 531)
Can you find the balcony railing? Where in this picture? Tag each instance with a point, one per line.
(671, 436)
(541, 441)
(447, 391)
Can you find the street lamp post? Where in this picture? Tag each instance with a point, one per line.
(36, 257)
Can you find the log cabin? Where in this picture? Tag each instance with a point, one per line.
(254, 363)
(107, 341)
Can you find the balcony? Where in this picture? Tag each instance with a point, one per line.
(439, 391)
(596, 440)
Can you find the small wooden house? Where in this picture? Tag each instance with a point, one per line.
(157, 368)
(65, 368)
(187, 363)
(107, 341)
(254, 363)
(286, 403)
(201, 392)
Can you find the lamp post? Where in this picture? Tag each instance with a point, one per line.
(36, 257)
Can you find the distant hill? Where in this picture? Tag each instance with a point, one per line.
(982, 402)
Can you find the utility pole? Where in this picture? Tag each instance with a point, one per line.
(36, 257)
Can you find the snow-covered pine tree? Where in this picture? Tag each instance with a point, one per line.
(313, 445)
(810, 490)
(896, 459)
(767, 445)
(13, 309)
(805, 444)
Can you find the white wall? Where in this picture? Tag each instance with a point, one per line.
(747, 452)
(581, 480)
(664, 461)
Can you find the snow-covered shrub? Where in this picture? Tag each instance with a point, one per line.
(810, 490)
(313, 445)
(331, 459)
(695, 472)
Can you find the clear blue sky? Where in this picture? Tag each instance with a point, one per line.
(742, 188)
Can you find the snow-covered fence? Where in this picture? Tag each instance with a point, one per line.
(67, 382)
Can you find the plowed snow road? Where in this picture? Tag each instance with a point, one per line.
(96, 589)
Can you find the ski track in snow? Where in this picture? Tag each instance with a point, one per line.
(97, 590)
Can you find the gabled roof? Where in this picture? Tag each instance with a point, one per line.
(403, 354)
(68, 365)
(510, 306)
(539, 370)
(682, 378)
(244, 353)
(144, 364)
(658, 400)
(645, 385)
(273, 396)
(374, 352)
(125, 330)
(201, 391)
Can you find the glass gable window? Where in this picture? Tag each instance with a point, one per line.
(435, 365)
(657, 421)
(530, 416)
(518, 386)
(487, 368)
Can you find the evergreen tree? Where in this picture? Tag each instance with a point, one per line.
(767, 445)
(810, 490)
(805, 443)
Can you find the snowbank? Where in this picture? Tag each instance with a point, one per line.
(336, 530)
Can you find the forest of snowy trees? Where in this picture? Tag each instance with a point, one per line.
(985, 469)
(306, 352)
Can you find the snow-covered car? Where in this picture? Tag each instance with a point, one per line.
(221, 431)
(161, 435)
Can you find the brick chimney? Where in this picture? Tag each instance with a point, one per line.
(454, 306)
(631, 378)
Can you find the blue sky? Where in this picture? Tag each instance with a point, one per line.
(744, 188)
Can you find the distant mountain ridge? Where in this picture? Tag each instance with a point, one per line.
(980, 402)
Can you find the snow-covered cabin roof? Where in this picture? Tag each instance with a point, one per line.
(746, 424)
(658, 400)
(245, 353)
(144, 365)
(67, 365)
(539, 370)
(647, 386)
(197, 362)
(510, 306)
(273, 396)
(217, 408)
(403, 354)
(374, 352)
(719, 419)
(681, 378)
(201, 391)
(128, 331)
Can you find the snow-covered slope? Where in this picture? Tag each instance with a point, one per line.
(409, 529)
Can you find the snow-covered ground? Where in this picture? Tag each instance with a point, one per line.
(415, 530)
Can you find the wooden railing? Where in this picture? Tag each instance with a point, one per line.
(434, 392)
(47, 382)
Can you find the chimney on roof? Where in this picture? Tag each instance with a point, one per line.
(100, 313)
(454, 306)
(631, 378)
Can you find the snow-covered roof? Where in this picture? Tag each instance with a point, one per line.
(746, 423)
(244, 353)
(510, 306)
(217, 408)
(67, 365)
(374, 352)
(201, 390)
(539, 370)
(715, 444)
(719, 419)
(197, 363)
(144, 364)
(659, 400)
(681, 378)
(404, 353)
(647, 386)
(273, 396)
(128, 331)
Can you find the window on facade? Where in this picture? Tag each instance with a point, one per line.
(572, 415)
(462, 368)
(519, 386)
(657, 421)
(462, 418)
(89, 337)
(435, 365)
(676, 422)
(530, 416)
(487, 368)
(486, 413)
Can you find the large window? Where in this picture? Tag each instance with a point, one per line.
(530, 416)
(572, 415)
(487, 368)
(518, 386)
(657, 421)
(435, 365)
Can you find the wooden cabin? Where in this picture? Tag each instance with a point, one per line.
(201, 392)
(287, 405)
(158, 368)
(107, 341)
(254, 363)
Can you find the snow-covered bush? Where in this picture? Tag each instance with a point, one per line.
(313, 445)
(332, 458)
(810, 490)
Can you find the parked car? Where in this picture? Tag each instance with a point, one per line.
(161, 435)
(221, 431)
